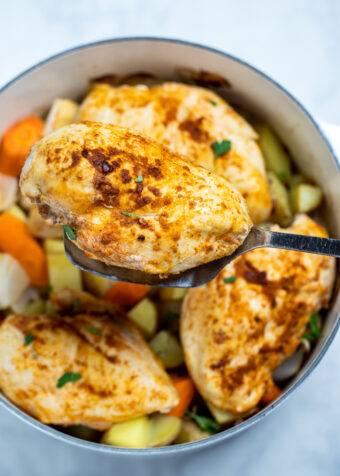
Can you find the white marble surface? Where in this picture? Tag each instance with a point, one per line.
(296, 42)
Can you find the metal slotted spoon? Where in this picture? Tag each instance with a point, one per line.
(257, 238)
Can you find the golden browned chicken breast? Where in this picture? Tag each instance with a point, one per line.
(131, 201)
(89, 366)
(235, 332)
(189, 120)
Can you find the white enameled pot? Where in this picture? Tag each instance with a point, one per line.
(68, 74)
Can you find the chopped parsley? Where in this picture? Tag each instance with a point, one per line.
(314, 331)
(29, 338)
(206, 424)
(282, 176)
(94, 330)
(129, 214)
(230, 279)
(70, 233)
(214, 103)
(68, 377)
(139, 179)
(221, 148)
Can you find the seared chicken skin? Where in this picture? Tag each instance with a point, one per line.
(131, 201)
(235, 334)
(189, 120)
(120, 377)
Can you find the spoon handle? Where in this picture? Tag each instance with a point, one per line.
(309, 244)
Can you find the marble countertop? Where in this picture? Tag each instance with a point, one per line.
(297, 43)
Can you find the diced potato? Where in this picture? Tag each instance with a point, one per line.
(296, 179)
(172, 293)
(168, 349)
(8, 191)
(225, 416)
(62, 113)
(189, 432)
(306, 197)
(42, 228)
(13, 281)
(130, 434)
(163, 430)
(144, 315)
(62, 274)
(222, 416)
(17, 212)
(97, 285)
(282, 212)
(54, 247)
(276, 158)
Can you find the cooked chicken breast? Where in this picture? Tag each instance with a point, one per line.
(235, 334)
(119, 376)
(189, 120)
(131, 201)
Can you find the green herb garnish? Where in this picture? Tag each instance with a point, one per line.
(314, 331)
(49, 289)
(129, 214)
(139, 179)
(282, 176)
(29, 338)
(170, 317)
(206, 424)
(221, 148)
(70, 233)
(214, 103)
(230, 279)
(94, 330)
(76, 303)
(68, 377)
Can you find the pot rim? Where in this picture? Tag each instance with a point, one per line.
(223, 435)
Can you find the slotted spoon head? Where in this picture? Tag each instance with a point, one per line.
(187, 279)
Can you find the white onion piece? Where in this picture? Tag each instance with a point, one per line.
(289, 366)
(13, 281)
(8, 191)
(31, 294)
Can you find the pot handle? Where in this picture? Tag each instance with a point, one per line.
(332, 133)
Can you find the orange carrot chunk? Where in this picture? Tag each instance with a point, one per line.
(17, 142)
(186, 391)
(270, 395)
(17, 242)
(126, 295)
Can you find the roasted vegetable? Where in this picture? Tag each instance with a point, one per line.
(276, 158)
(8, 191)
(172, 293)
(54, 247)
(224, 416)
(62, 274)
(168, 349)
(130, 434)
(186, 392)
(163, 430)
(17, 142)
(13, 280)
(17, 212)
(189, 432)
(144, 315)
(126, 295)
(97, 285)
(305, 197)
(62, 113)
(143, 432)
(282, 212)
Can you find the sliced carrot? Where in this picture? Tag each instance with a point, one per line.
(270, 395)
(17, 142)
(186, 391)
(16, 241)
(126, 295)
